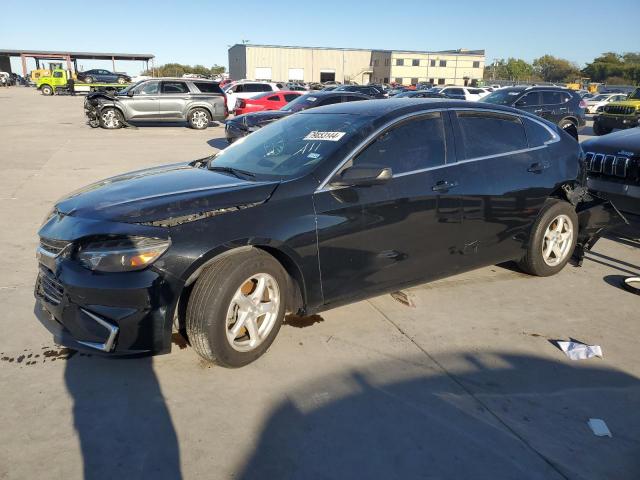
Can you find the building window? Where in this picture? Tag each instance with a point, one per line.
(433, 63)
(415, 62)
(399, 62)
(386, 80)
(375, 63)
(476, 64)
(443, 63)
(414, 81)
(431, 81)
(386, 62)
(441, 81)
(398, 80)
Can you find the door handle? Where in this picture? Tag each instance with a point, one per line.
(444, 186)
(538, 167)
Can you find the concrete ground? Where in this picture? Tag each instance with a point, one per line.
(463, 384)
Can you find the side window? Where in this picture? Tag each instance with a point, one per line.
(455, 91)
(57, 74)
(412, 145)
(237, 89)
(552, 98)
(529, 100)
(485, 133)
(536, 133)
(262, 87)
(330, 101)
(274, 98)
(290, 96)
(174, 87)
(147, 88)
(208, 87)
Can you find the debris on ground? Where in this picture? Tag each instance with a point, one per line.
(599, 428)
(403, 298)
(632, 284)
(580, 351)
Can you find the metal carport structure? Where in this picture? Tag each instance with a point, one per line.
(72, 57)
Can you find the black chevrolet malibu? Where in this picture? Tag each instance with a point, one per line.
(319, 209)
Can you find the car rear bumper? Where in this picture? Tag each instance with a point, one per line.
(105, 313)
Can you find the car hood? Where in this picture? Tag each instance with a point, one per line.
(623, 142)
(260, 118)
(162, 193)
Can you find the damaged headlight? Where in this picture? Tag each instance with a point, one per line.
(121, 254)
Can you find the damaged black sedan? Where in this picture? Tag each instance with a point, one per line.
(319, 209)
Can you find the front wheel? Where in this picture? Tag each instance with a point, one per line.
(236, 308)
(46, 90)
(111, 118)
(122, 80)
(199, 118)
(552, 241)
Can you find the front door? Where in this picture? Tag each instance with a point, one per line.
(144, 103)
(375, 238)
(174, 95)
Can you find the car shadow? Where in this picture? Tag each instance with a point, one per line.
(123, 424)
(182, 124)
(219, 143)
(503, 416)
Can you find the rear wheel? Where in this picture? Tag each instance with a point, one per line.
(111, 118)
(46, 90)
(199, 118)
(236, 308)
(122, 80)
(552, 241)
(88, 79)
(599, 129)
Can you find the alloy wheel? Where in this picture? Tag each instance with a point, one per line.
(558, 239)
(253, 312)
(110, 119)
(199, 119)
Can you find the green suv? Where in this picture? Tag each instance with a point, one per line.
(624, 114)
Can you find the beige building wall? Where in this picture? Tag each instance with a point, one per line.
(280, 63)
(440, 68)
(257, 62)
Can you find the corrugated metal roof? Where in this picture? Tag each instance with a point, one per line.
(81, 55)
(460, 51)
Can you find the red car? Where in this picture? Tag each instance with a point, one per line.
(266, 101)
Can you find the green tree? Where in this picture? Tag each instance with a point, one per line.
(518, 69)
(552, 69)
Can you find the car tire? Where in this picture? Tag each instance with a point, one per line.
(111, 118)
(199, 118)
(569, 127)
(121, 80)
(225, 292)
(88, 79)
(552, 241)
(599, 130)
(46, 90)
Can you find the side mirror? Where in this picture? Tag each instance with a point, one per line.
(362, 177)
(130, 93)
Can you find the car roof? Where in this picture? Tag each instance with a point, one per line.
(336, 93)
(398, 107)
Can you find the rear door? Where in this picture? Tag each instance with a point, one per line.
(554, 105)
(174, 96)
(510, 176)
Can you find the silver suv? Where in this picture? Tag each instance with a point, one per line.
(166, 99)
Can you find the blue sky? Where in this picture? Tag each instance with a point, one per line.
(201, 31)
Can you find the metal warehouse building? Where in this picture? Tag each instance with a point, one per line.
(319, 64)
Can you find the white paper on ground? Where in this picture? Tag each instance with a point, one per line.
(599, 428)
(580, 351)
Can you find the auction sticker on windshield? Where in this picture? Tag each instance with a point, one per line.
(327, 136)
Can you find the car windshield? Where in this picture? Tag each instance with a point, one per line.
(599, 98)
(292, 146)
(130, 87)
(301, 103)
(502, 97)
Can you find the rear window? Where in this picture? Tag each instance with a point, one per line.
(487, 133)
(536, 133)
(208, 87)
(554, 98)
(174, 87)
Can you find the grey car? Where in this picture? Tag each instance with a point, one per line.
(195, 101)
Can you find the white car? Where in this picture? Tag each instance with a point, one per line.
(601, 100)
(248, 89)
(464, 93)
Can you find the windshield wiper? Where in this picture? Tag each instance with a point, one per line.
(233, 171)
